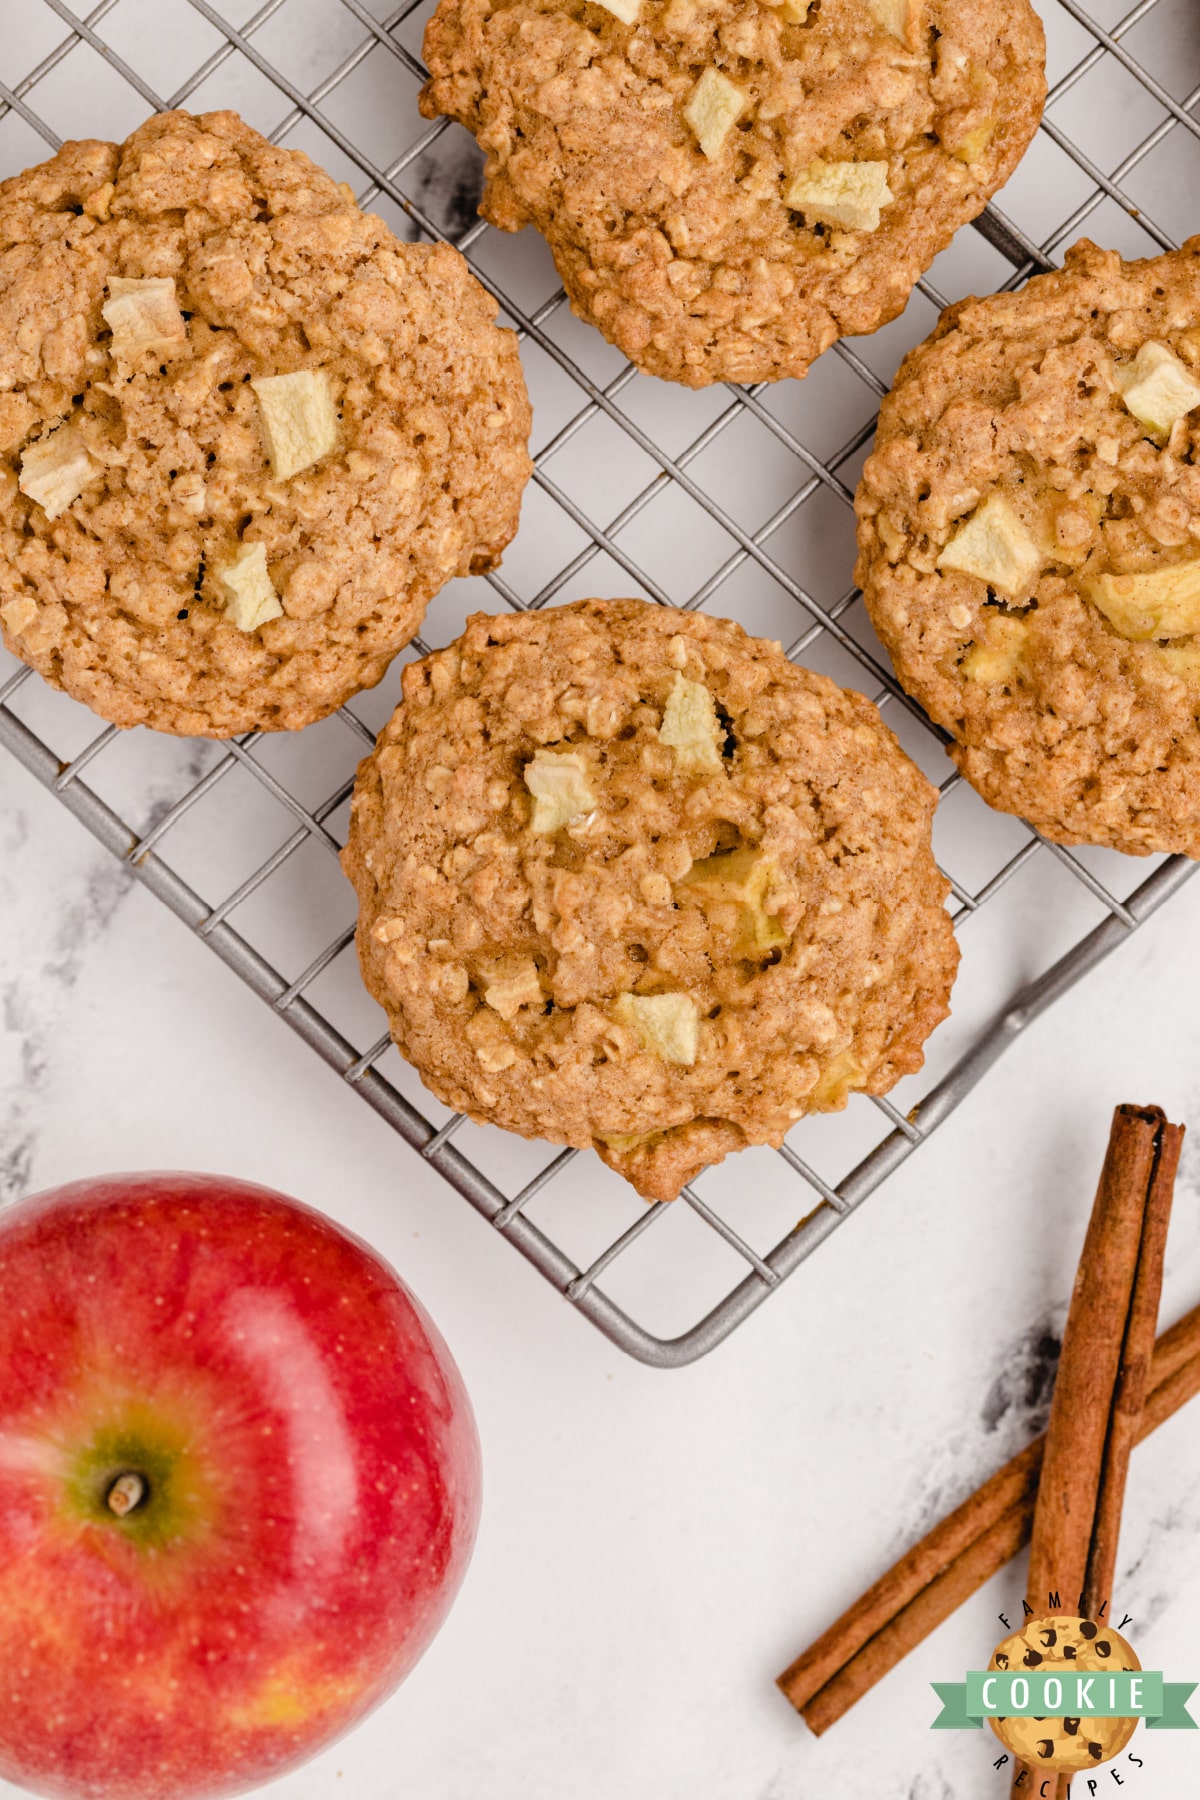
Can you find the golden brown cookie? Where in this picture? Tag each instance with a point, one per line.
(630, 878)
(245, 434)
(1029, 536)
(728, 186)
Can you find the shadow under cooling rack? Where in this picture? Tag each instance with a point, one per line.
(740, 497)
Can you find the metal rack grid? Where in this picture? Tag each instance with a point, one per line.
(142, 796)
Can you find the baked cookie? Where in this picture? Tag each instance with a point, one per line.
(630, 878)
(245, 434)
(1029, 535)
(728, 186)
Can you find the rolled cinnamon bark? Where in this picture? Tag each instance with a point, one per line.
(904, 1630)
(1085, 1386)
(886, 1619)
(967, 1548)
(1129, 1399)
(1100, 1388)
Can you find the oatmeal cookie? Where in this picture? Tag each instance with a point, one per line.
(630, 878)
(728, 186)
(245, 434)
(1029, 535)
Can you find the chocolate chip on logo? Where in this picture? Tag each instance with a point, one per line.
(1070, 1726)
(1045, 1747)
(1104, 1648)
(1088, 1628)
(1031, 1659)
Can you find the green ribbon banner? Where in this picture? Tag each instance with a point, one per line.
(1064, 1693)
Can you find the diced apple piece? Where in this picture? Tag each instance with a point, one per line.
(143, 314)
(691, 727)
(997, 660)
(715, 104)
(794, 11)
(251, 600)
(625, 1141)
(666, 1024)
(1182, 660)
(976, 142)
(743, 877)
(1157, 388)
(994, 545)
(625, 10)
(56, 469)
(495, 1054)
(558, 781)
(838, 1079)
(896, 16)
(19, 614)
(299, 419)
(510, 992)
(1161, 604)
(848, 194)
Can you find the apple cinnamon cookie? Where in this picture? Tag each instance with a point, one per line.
(629, 878)
(1029, 535)
(245, 433)
(728, 186)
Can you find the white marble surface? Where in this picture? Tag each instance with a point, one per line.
(654, 1546)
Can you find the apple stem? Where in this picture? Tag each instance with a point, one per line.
(126, 1492)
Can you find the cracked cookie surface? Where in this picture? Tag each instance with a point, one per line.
(245, 433)
(1029, 546)
(728, 186)
(630, 879)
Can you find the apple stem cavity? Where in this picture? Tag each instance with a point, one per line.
(126, 1492)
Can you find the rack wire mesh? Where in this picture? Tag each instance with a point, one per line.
(738, 496)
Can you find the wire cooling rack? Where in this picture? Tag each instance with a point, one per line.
(736, 498)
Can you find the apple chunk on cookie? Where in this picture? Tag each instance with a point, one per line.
(1158, 388)
(56, 470)
(558, 781)
(995, 546)
(1161, 603)
(143, 314)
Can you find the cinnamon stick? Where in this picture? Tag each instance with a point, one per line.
(1100, 1387)
(1132, 1379)
(911, 1625)
(1084, 1388)
(1177, 1386)
(867, 1642)
(959, 1555)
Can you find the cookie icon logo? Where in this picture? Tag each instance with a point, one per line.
(1063, 1646)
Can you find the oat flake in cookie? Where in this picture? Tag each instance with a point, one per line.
(728, 186)
(245, 434)
(630, 878)
(1029, 529)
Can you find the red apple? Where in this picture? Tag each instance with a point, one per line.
(239, 1484)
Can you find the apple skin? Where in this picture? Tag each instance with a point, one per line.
(311, 1497)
